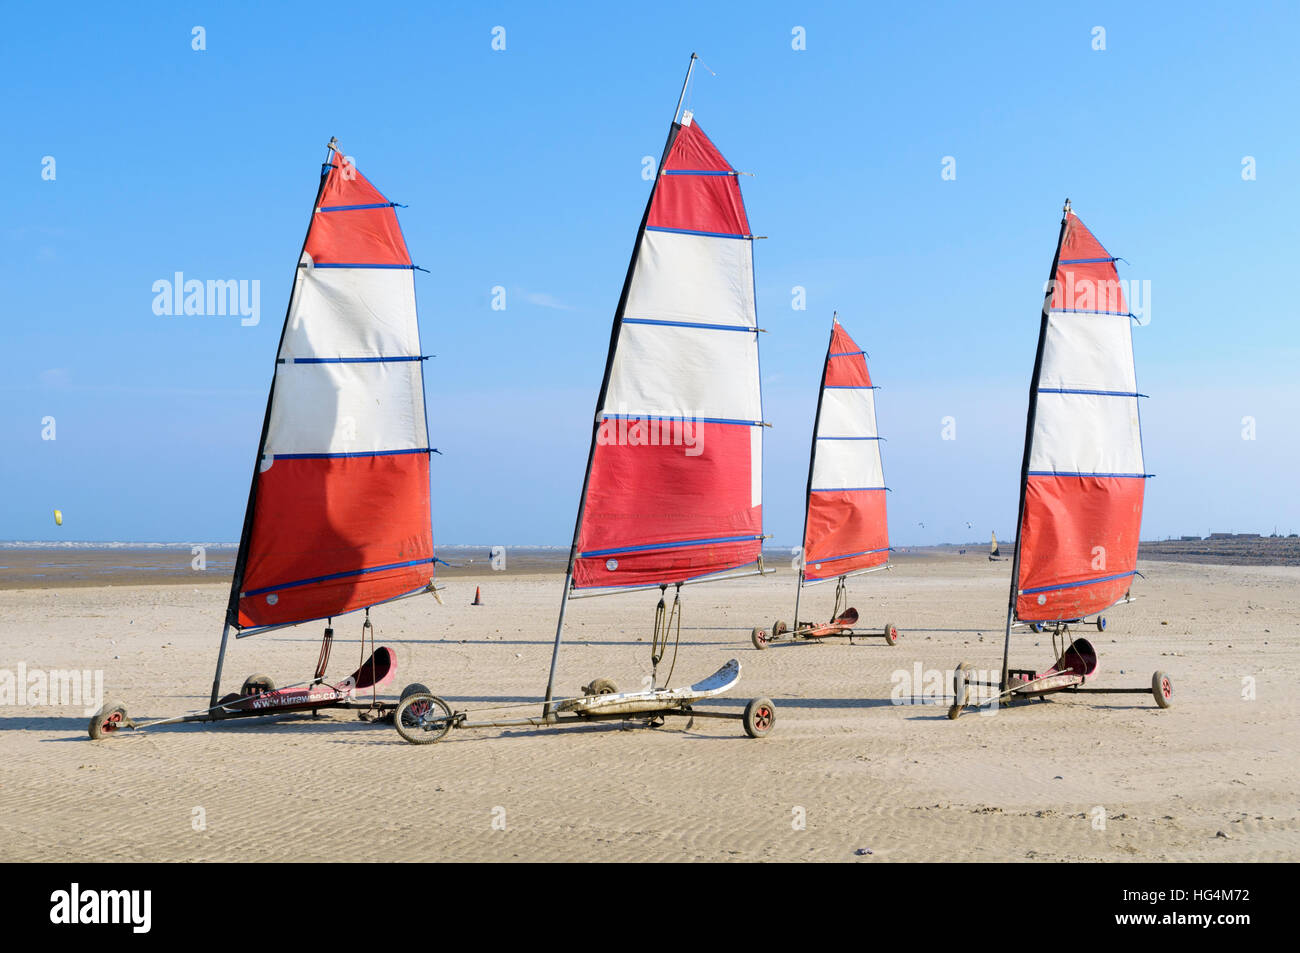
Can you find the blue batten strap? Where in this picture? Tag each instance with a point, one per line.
(691, 231)
(1078, 585)
(346, 264)
(689, 324)
(850, 387)
(331, 456)
(850, 438)
(1117, 314)
(335, 575)
(848, 354)
(1085, 261)
(846, 489)
(684, 544)
(698, 172)
(357, 360)
(1062, 473)
(865, 552)
(697, 420)
(1095, 393)
(357, 208)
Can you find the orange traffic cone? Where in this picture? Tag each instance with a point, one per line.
(478, 597)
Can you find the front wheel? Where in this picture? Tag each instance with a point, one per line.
(415, 688)
(1162, 689)
(759, 638)
(891, 634)
(779, 628)
(422, 719)
(760, 716)
(1101, 623)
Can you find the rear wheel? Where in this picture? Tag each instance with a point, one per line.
(891, 634)
(1162, 689)
(422, 719)
(759, 638)
(257, 684)
(760, 716)
(415, 688)
(779, 628)
(1101, 623)
(110, 718)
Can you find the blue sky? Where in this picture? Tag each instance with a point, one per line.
(522, 168)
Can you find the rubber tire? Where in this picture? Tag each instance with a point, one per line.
(1101, 623)
(1160, 685)
(414, 734)
(256, 685)
(1038, 627)
(112, 714)
(759, 638)
(601, 686)
(415, 688)
(759, 717)
(891, 629)
(779, 628)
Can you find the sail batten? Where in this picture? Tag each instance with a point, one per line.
(1085, 472)
(674, 486)
(339, 512)
(845, 525)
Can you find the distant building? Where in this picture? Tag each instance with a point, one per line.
(1188, 539)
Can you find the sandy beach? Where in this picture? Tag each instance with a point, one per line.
(846, 768)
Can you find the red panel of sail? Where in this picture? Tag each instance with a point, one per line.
(1079, 545)
(669, 512)
(847, 529)
(846, 365)
(1086, 279)
(324, 530)
(344, 230)
(698, 203)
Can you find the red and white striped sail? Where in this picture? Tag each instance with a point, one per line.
(1083, 496)
(675, 489)
(845, 529)
(339, 511)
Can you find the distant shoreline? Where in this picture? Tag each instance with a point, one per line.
(78, 565)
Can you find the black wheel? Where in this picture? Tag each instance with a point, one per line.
(110, 718)
(415, 688)
(1038, 627)
(256, 685)
(1162, 689)
(759, 638)
(1101, 623)
(601, 686)
(891, 634)
(422, 718)
(959, 691)
(760, 716)
(779, 628)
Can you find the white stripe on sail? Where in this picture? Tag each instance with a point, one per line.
(847, 465)
(352, 312)
(847, 412)
(347, 408)
(1088, 352)
(1086, 433)
(694, 278)
(685, 372)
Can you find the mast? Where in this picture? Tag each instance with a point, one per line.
(604, 391)
(1029, 439)
(241, 558)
